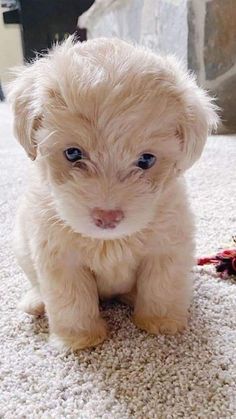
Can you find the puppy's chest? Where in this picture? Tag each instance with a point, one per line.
(116, 280)
(113, 266)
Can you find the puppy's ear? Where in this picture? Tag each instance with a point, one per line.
(197, 122)
(27, 107)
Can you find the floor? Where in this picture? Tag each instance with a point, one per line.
(131, 375)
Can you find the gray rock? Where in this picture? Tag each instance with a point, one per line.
(226, 99)
(220, 37)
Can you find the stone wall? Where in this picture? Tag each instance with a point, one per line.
(202, 33)
(212, 52)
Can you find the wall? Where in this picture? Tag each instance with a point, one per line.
(10, 48)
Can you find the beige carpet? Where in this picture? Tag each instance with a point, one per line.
(132, 375)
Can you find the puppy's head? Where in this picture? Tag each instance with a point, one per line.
(110, 126)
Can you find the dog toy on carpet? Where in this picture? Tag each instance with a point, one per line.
(224, 261)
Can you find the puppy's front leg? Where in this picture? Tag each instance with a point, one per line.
(72, 306)
(163, 294)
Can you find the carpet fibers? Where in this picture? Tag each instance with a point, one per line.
(131, 375)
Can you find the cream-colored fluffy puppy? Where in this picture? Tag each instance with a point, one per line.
(111, 128)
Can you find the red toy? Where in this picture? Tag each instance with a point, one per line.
(224, 261)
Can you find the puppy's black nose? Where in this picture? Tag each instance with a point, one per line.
(107, 219)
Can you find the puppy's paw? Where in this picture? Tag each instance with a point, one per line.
(163, 325)
(32, 303)
(82, 340)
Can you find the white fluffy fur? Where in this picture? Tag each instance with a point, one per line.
(115, 101)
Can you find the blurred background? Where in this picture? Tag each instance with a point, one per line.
(202, 33)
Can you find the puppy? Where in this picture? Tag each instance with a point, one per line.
(111, 128)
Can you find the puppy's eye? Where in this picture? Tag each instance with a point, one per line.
(146, 161)
(73, 154)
